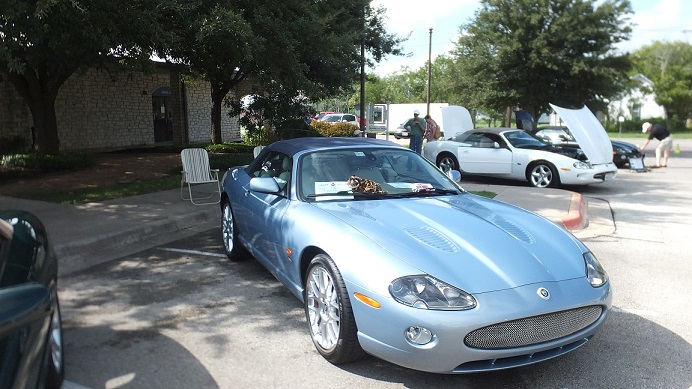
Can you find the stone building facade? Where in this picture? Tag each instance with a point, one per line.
(97, 110)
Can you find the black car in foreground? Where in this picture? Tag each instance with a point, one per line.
(31, 346)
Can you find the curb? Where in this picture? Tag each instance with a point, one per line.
(100, 248)
(576, 218)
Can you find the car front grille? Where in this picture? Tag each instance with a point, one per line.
(533, 330)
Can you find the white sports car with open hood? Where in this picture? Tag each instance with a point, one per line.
(516, 154)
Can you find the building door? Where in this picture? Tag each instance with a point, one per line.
(163, 120)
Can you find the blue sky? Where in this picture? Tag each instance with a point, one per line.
(664, 20)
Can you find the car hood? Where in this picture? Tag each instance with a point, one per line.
(588, 132)
(455, 119)
(474, 243)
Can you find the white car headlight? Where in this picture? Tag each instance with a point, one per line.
(427, 292)
(595, 273)
(582, 165)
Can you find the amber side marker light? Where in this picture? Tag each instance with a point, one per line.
(366, 300)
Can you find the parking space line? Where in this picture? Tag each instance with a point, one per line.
(193, 252)
(638, 312)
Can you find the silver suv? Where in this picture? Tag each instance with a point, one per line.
(340, 118)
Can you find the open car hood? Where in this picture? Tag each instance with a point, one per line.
(455, 119)
(589, 133)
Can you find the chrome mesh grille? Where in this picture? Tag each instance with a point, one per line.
(533, 330)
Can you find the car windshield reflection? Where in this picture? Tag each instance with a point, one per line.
(368, 173)
(524, 140)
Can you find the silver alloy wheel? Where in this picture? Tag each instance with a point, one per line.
(541, 176)
(323, 308)
(447, 163)
(227, 227)
(55, 345)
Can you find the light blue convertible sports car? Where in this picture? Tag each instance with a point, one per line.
(392, 258)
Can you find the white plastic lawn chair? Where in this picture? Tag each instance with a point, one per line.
(257, 150)
(196, 171)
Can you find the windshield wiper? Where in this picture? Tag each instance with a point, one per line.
(339, 193)
(425, 193)
(370, 195)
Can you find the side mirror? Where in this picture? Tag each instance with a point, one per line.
(264, 185)
(455, 175)
(496, 145)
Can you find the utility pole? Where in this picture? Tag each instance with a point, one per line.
(429, 69)
(362, 76)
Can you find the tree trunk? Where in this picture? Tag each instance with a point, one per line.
(217, 95)
(41, 103)
(39, 91)
(508, 116)
(46, 126)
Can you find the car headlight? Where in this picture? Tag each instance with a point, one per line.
(595, 273)
(427, 292)
(582, 165)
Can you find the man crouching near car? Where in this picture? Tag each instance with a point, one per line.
(660, 132)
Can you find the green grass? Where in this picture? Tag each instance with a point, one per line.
(102, 193)
(484, 193)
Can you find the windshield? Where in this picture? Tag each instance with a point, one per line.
(331, 118)
(524, 140)
(366, 173)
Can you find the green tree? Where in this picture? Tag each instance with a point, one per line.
(42, 43)
(300, 47)
(529, 53)
(669, 66)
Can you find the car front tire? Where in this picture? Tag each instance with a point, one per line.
(229, 234)
(543, 175)
(329, 313)
(447, 162)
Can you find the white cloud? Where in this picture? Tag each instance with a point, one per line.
(665, 20)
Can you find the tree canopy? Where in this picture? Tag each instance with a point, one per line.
(669, 66)
(308, 47)
(529, 53)
(292, 49)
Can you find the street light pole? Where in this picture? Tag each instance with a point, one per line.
(429, 67)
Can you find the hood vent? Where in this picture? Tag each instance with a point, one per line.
(432, 238)
(514, 230)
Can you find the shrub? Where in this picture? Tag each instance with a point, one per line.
(230, 148)
(225, 161)
(48, 163)
(261, 137)
(332, 130)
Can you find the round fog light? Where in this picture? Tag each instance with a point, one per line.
(419, 335)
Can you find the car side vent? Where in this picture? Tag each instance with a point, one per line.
(515, 231)
(433, 238)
